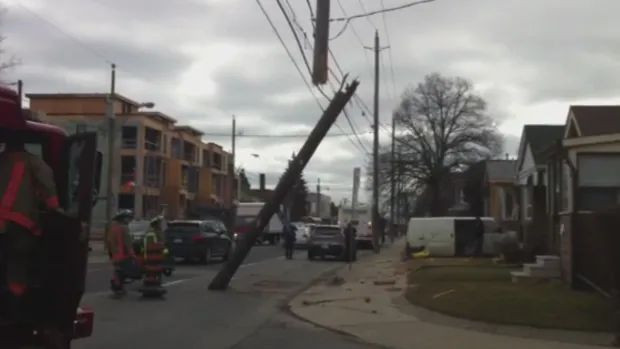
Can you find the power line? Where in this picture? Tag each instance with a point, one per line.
(348, 19)
(387, 37)
(367, 17)
(70, 36)
(267, 135)
(290, 55)
(303, 54)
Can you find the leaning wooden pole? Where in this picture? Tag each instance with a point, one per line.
(290, 177)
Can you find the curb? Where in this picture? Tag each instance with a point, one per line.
(287, 308)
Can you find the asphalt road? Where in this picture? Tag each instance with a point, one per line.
(99, 274)
(250, 314)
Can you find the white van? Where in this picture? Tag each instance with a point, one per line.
(449, 236)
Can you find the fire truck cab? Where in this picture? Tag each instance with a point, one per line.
(63, 249)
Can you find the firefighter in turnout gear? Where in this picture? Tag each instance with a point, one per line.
(120, 250)
(153, 257)
(26, 185)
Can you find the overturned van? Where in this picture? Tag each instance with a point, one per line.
(452, 236)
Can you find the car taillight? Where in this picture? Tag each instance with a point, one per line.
(198, 237)
(83, 324)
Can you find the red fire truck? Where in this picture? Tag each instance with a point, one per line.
(55, 301)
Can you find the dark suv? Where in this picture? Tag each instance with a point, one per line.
(198, 240)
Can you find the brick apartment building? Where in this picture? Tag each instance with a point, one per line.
(159, 164)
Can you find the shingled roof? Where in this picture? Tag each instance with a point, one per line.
(540, 138)
(594, 120)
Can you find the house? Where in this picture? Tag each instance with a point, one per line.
(585, 177)
(500, 193)
(531, 174)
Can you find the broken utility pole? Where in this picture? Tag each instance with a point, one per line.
(290, 177)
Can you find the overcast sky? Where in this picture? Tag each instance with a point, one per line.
(201, 61)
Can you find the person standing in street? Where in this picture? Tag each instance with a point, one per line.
(120, 250)
(26, 184)
(349, 236)
(479, 231)
(289, 240)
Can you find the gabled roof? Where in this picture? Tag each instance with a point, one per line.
(501, 170)
(539, 138)
(592, 120)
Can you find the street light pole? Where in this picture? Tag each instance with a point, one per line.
(110, 199)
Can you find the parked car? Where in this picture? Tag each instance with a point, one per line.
(200, 240)
(326, 240)
(301, 234)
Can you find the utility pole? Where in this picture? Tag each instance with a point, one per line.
(20, 92)
(321, 43)
(288, 179)
(392, 182)
(234, 170)
(356, 186)
(375, 148)
(398, 195)
(111, 199)
(318, 197)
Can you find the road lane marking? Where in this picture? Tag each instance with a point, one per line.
(174, 282)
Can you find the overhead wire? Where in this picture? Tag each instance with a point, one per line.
(390, 56)
(347, 19)
(303, 54)
(288, 52)
(65, 33)
(267, 135)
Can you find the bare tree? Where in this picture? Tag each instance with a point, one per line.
(6, 61)
(442, 127)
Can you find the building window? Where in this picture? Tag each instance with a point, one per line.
(217, 161)
(165, 144)
(153, 171)
(176, 147)
(126, 108)
(152, 139)
(129, 137)
(599, 182)
(206, 159)
(128, 170)
(565, 178)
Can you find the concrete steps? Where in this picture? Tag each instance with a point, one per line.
(546, 267)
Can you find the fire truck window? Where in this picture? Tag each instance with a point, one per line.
(34, 149)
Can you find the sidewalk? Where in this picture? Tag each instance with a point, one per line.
(353, 303)
(97, 253)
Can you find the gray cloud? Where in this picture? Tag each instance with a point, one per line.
(203, 60)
